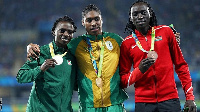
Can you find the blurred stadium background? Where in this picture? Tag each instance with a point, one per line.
(25, 21)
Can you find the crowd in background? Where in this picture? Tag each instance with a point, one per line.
(22, 22)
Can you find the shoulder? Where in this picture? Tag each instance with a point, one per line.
(114, 36)
(162, 27)
(44, 50)
(128, 42)
(72, 45)
(75, 40)
(128, 38)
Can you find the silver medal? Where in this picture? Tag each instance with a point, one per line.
(58, 59)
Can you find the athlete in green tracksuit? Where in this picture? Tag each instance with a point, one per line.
(53, 73)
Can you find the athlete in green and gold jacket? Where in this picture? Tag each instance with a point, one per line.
(90, 94)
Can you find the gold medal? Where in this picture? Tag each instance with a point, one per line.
(99, 82)
(152, 54)
(58, 59)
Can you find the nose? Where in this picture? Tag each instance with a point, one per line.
(93, 22)
(66, 33)
(140, 15)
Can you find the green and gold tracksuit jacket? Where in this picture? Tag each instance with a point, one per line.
(52, 90)
(90, 94)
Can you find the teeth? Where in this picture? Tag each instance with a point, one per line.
(64, 39)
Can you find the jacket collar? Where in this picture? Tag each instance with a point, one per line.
(140, 34)
(93, 37)
(58, 49)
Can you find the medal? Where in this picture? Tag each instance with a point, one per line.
(152, 54)
(99, 82)
(58, 59)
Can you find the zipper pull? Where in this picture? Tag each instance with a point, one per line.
(146, 38)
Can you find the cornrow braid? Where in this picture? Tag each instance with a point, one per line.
(64, 19)
(89, 8)
(130, 27)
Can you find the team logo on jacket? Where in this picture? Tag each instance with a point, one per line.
(158, 38)
(69, 62)
(109, 45)
(132, 47)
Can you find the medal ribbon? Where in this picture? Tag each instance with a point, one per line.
(97, 71)
(139, 44)
(52, 51)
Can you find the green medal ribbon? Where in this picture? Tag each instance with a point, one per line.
(139, 44)
(97, 71)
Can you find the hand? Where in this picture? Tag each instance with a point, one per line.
(178, 39)
(145, 64)
(47, 64)
(191, 105)
(33, 51)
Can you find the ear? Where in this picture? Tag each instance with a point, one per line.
(130, 18)
(150, 12)
(83, 23)
(53, 33)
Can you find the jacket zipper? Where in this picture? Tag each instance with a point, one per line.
(61, 98)
(102, 96)
(155, 79)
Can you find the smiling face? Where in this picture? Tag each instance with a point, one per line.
(140, 15)
(63, 33)
(92, 22)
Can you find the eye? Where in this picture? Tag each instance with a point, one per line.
(97, 18)
(62, 30)
(144, 12)
(134, 14)
(70, 31)
(89, 20)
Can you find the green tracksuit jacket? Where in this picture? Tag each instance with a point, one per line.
(52, 90)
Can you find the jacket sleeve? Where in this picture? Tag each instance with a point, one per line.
(28, 72)
(181, 67)
(127, 77)
(76, 74)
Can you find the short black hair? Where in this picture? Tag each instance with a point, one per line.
(64, 19)
(89, 8)
(130, 27)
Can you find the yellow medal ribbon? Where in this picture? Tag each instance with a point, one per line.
(152, 39)
(139, 44)
(58, 57)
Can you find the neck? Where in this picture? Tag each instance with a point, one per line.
(143, 30)
(61, 45)
(94, 34)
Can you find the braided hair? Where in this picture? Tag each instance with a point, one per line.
(63, 19)
(130, 27)
(89, 8)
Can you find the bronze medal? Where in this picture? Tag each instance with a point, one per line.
(152, 54)
(99, 82)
